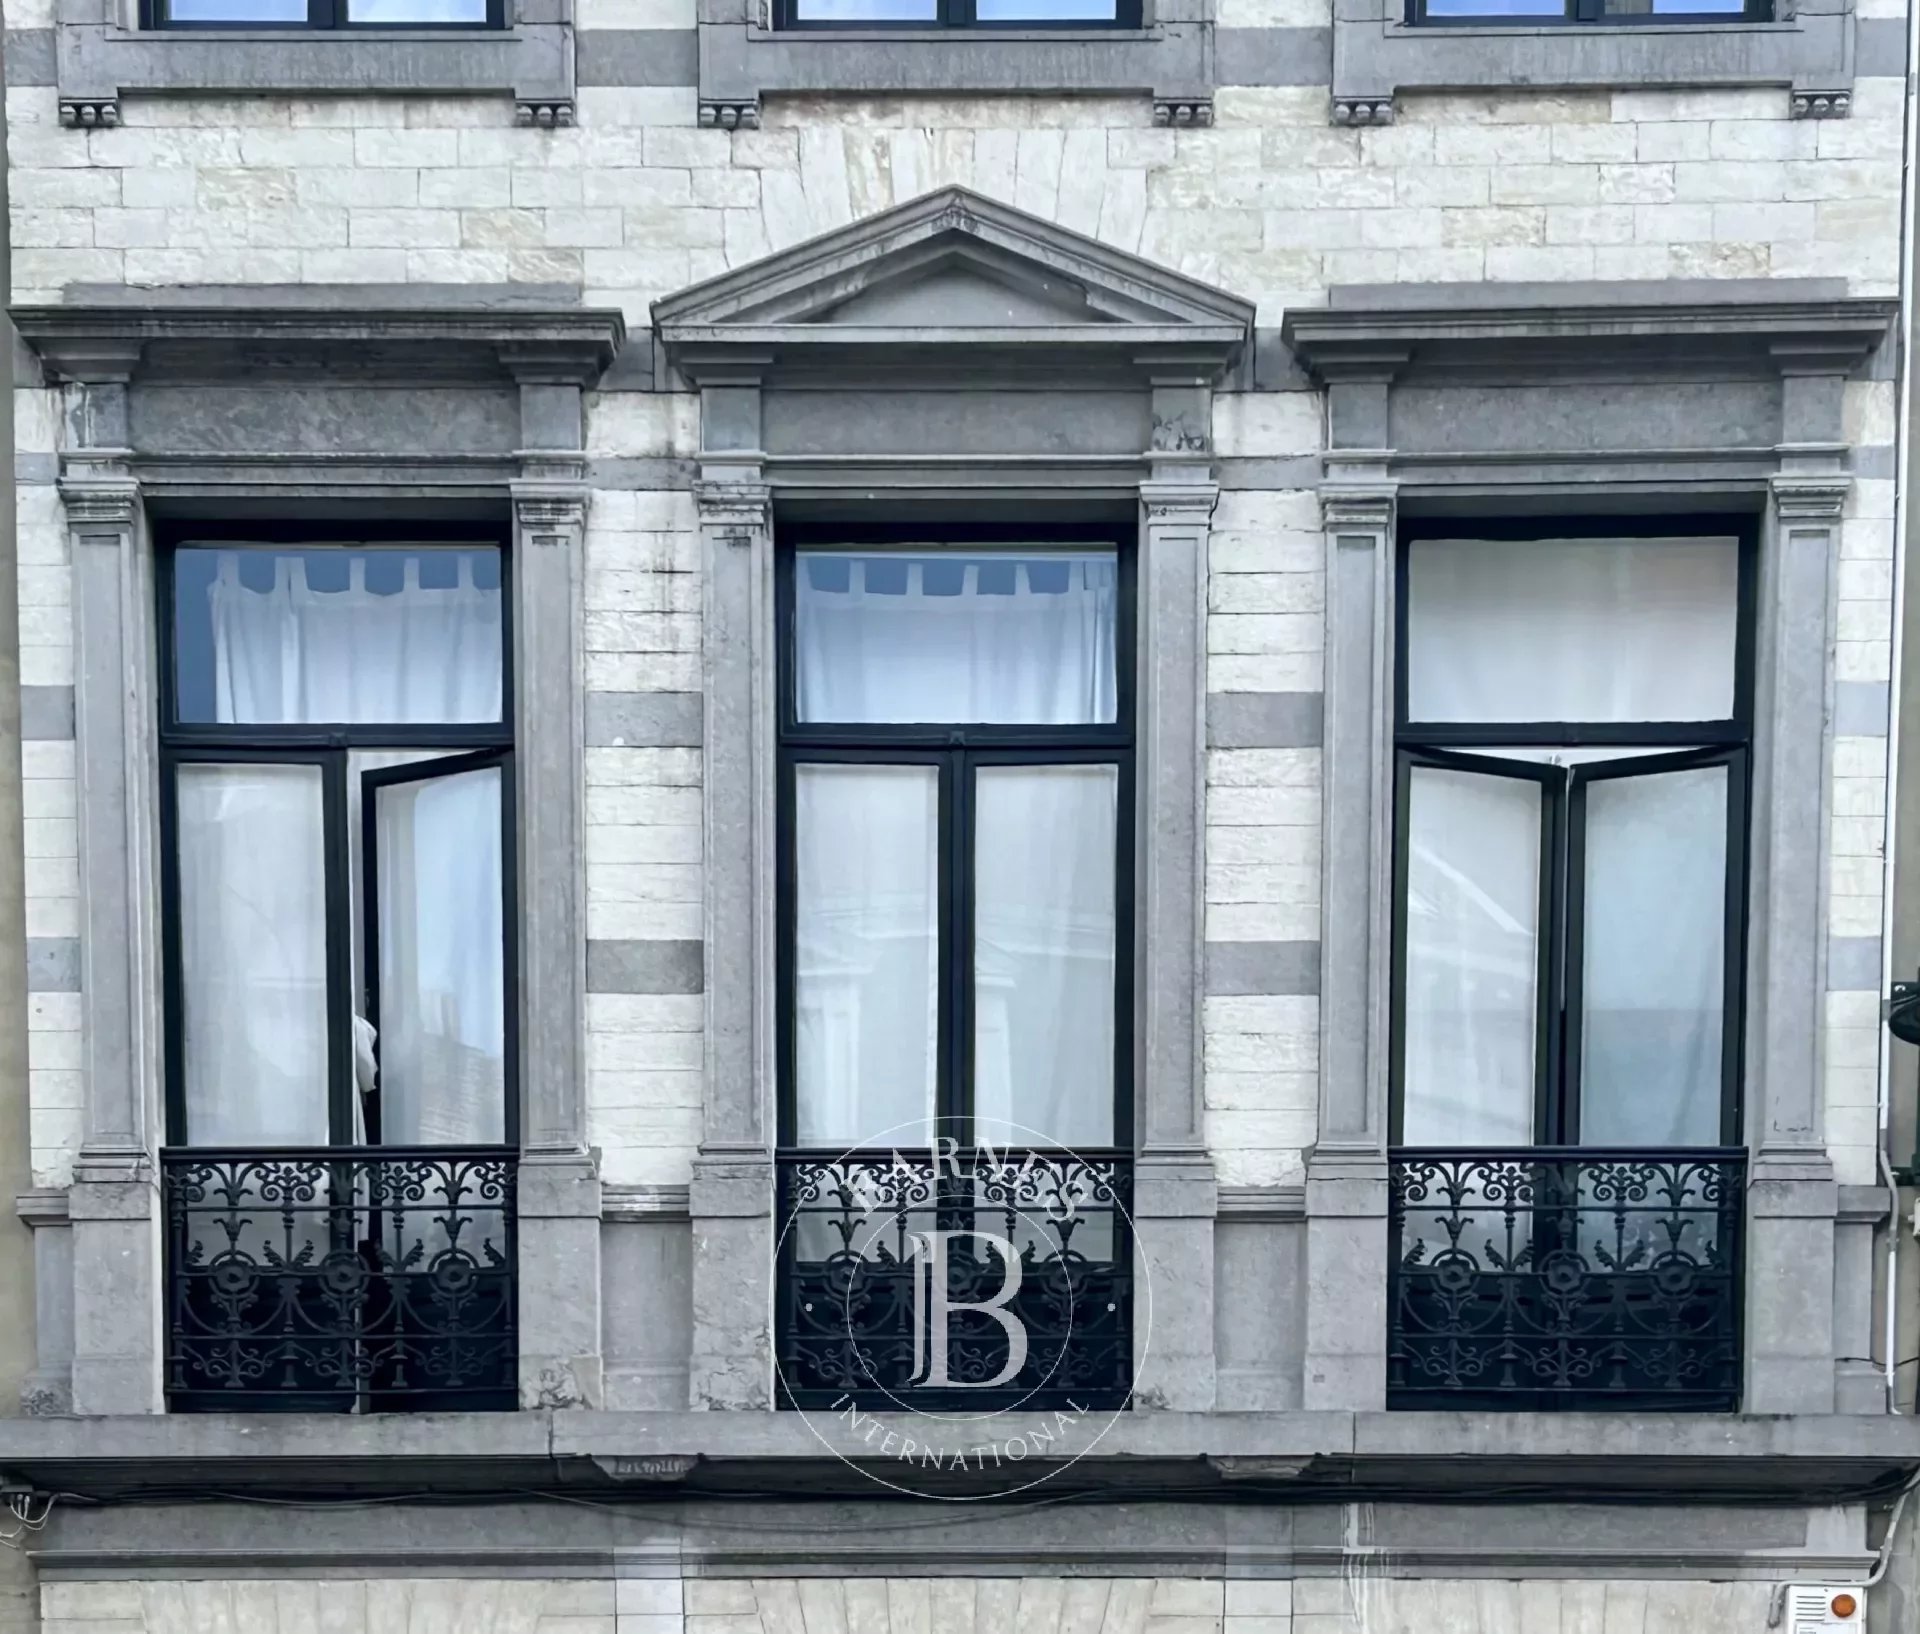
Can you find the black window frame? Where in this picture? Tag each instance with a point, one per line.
(328, 15)
(957, 749)
(463, 746)
(1590, 14)
(956, 15)
(1449, 745)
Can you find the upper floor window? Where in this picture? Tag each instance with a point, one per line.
(323, 13)
(957, 13)
(336, 787)
(1629, 12)
(1572, 742)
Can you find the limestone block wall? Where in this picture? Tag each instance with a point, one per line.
(1357, 1603)
(1272, 202)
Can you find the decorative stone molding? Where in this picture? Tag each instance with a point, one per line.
(1810, 497)
(1363, 110)
(90, 112)
(735, 113)
(1806, 104)
(1183, 112)
(548, 113)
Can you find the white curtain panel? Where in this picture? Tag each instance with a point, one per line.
(1043, 954)
(252, 875)
(1472, 958)
(253, 955)
(441, 943)
(1571, 629)
(866, 954)
(1654, 965)
(292, 653)
(1021, 640)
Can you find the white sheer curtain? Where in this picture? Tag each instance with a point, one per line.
(1472, 958)
(293, 653)
(251, 839)
(1043, 954)
(1024, 639)
(866, 953)
(1571, 629)
(253, 950)
(1654, 959)
(441, 942)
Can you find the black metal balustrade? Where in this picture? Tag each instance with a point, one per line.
(340, 1279)
(1572, 1278)
(857, 1306)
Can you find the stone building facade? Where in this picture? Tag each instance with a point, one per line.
(1359, 380)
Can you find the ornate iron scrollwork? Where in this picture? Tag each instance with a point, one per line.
(340, 1279)
(1565, 1277)
(854, 1279)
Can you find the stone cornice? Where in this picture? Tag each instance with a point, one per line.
(264, 344)
(1545, 339)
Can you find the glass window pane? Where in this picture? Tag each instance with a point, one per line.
(1472, 958)
(1642, 8)
(1496, 8)
(866, 956)
(1043, 11)
(472, 12)
(338, 635)
(1571, 629)
(1654, 965)
(867, 11)
(1022, 638)
(238, 12)
(1043, 954)
(441, 946)
(253, 945)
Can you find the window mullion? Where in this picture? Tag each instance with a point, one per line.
(1565, 948)
(956, 945)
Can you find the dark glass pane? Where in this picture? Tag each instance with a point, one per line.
(338, 635)
(1045, 11)
(1496, 8)
(237, 11)
(470, 12)
(867, 11)
(1655, 8)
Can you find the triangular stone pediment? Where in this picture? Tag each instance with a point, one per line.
(952, 269)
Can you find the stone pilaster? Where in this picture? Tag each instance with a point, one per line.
(730, 1200)
(1175, 1194)
(559, 1188)
(1345, 1366)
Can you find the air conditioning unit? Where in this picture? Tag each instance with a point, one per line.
(1824, 1608)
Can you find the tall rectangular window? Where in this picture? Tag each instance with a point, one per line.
(336, 786)
(1573, 735)
(956, 789)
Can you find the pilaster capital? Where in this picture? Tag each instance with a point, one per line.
(549, 510)
(99, 493)
(1358, 507)
(1810, 496)
(1187, 498)
(735, 509)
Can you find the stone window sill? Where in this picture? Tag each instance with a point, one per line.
(97, 63)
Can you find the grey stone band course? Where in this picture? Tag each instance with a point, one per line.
(643, 720)
(46, 714)
(1860, 709)
(1264, 720)
(1263, 969)
(34, 470)
(645, 967)
(1853, 964)
(1273, 56)
(53, 964)
(645, 475)
(637, 56)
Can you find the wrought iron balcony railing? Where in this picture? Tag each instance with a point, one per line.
(340, 1279)
(969, 1280)
(1573, 1278)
